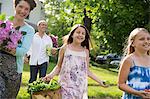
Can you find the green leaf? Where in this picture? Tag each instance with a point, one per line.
(11, 18)
(2, 16)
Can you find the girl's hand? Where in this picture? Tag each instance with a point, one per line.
(47, 78)
(103, 84)
(144, 95)
(147, 90)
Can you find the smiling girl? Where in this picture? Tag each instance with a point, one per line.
(73, 65)
(134, 74)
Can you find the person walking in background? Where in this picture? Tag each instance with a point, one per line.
(12, 60)
(55, 45)
(134, 73)
(39, 58)
(54, 40)
(73, 65)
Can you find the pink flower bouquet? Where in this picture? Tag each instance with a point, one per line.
(54, 40)
(10, 37)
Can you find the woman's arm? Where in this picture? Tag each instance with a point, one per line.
(23, 48)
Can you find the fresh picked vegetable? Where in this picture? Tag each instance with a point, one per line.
(40, 85)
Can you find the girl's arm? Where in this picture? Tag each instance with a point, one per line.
(122, 78)
(57, 68)
(91, 75)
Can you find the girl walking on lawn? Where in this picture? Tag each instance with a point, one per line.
(134, 74)
(73, 65)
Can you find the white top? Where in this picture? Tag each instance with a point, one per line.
(37, 51)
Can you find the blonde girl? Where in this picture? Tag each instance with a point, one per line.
(134, 74)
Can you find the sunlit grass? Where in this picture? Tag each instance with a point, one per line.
(94, 91)
(97, 91)
(104, 74)
(23, 93)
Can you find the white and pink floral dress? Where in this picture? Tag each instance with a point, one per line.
(73, 75)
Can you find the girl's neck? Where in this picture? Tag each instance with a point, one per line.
(74, 45)
(140, 54)
(141, 59)
(17, 22)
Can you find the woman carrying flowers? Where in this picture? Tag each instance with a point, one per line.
(11, 66)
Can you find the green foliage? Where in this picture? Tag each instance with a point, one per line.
(40, 85)
(58, 21)
(112, 20)
(11, 18)
(118, 18)
(2, 16)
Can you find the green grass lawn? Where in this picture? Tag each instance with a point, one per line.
(94, 91)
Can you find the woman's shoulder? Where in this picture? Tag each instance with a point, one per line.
(47, 36)
(29, 28)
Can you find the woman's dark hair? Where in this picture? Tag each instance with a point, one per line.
(85, 43)
(32, 3)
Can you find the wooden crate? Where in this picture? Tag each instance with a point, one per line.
(47, 94)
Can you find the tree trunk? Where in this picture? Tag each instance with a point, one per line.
(87, 21)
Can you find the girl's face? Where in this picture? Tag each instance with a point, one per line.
(142, 41)
(22, 10)
(79, 35)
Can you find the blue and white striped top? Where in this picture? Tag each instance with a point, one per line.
(138, 79)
